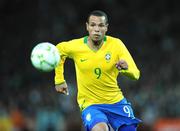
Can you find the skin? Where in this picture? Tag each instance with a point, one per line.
(102, 126)
(97, 28)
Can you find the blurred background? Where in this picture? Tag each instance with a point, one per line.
(149, 29)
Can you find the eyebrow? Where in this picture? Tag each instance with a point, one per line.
(97, 23)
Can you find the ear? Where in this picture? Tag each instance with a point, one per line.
(87, 26)
(107, 27)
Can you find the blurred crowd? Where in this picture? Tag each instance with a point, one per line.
(149, 29)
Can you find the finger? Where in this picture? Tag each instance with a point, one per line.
(65, 91)
(61, 90)
(120, 63)
(58, 90)
(124, 66)
(118, 66)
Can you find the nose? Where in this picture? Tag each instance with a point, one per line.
(96, 28)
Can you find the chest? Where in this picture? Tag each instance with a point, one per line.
(104, 59)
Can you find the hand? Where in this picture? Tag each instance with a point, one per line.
(62, 88)
(122, 64)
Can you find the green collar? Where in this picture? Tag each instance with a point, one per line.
(86, 39)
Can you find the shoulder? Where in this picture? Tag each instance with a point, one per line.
(114, 40)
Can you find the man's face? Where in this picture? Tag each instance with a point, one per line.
(97, 27)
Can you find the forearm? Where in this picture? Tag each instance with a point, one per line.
(64, 49)
(59, 73)
(133, 74)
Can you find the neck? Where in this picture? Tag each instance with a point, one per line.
(95, 45)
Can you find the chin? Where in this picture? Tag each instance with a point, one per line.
(97, 39)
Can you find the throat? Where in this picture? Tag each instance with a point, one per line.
(95, 45)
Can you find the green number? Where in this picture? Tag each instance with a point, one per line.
(97, 71)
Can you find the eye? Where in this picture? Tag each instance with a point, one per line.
(102, 25)
(92, 24)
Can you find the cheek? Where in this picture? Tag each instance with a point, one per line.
(104, 31)
(89, 30)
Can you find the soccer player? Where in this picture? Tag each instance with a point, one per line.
(98, 60)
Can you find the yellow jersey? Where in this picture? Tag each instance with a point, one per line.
(96, 72)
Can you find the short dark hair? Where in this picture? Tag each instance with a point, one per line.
(98, 13)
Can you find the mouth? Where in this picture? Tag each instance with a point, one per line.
(96, 35)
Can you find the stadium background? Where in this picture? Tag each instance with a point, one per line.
(150, 30)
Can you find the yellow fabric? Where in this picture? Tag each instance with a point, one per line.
(95, 70)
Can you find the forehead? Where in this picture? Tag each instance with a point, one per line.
(97, 19)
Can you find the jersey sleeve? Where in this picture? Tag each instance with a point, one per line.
(132, 72)
(64, 50)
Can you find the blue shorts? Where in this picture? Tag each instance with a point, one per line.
(116, 115)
